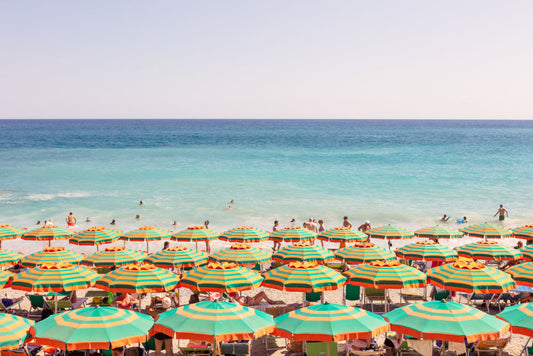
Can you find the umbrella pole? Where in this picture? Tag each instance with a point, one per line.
(386, 301)
(443, 349)
(322, 297)
(344, 294)
(303, 300)
(55, 303)
(328, 346)
(146, 246)
(97, 248)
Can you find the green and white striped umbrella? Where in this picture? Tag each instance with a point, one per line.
(488, 250)
(8, 232)
(214, 322)
(195, 234)
(9, 258)
(303, 252)
(135, 278)
(221, 277)
(342, 234)
(519, 316)
(427, 251)
(292, 234)
(522, 273)
(364, 252)
(390, 232)
(244, 234)
(438, 232)
(523, 232)
(241, 254)
(447, 321)
(13, 331)
(303, 277)
(96, 235)
(470, 277)
(48, 233)
(329, 323)
(385, 275)
(51, 255)
(113, 256)
(93, 328)
(177, 257)
(487, 231)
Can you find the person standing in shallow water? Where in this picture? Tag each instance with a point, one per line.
(275, 228)
(502, 212)
(71, 220)
(346, 223)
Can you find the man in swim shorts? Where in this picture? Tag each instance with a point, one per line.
(71, 220)
(503, 212)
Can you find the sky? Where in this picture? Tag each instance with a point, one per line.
(266, 59)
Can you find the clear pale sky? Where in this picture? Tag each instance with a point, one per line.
(266, 59)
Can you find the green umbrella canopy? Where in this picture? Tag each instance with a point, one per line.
(48, 233)
(364, 252)
(244, 234)
(520, 317)
(214, 321)
(390, 232)
(488, 250)
(93, 328)
(342, 234)
(177, 257)
(5, 279)
(522, 273)
(135, 278)
(51, 255)
(146, 233)
(221, 277)
(487, 231)
(438, 232)
(447, 321)
(8, 232)
(113, 256)
(303, 277)
(14, 330)
(303, 252)
(386, 274)
(241, 254)
(195, 233)
(427, 251)
(292, 234)
(96, 235)
(330, 323)
(9, 258)
(523, 232)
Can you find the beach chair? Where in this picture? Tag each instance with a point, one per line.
(36, 305)
(412, 297)
(491, 346)
(376, 295)
(320, 348)
(312, 297)
(196, 350)
(235, 348)
(8, 305)
(353, 293)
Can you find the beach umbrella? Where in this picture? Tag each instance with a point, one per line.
(54, 277)
(241, 254)
(14, 330)
(522, 232)
(303, 252)
(96, 235)
(303, 277)
(470, 277)
(385, 274)
(221, 277)
(522, 273)
(527, 252)
(329, 323)
(93, 328)
(244, 234)
(214, 322)
(487, 231)
(427, 251)
(447, 321)
(113, 256)
(9, 258)
(8, 232)
(135, 278)
(54, 254)
(5, 279)
(364, 252)
(195, 234)
(48, 233)
(146, 233)
(389, 232)
(488, 250)
(292, 234)
(342, 234)
(177, 257)
(519, 316)
(438, 232)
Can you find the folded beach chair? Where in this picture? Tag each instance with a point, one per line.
(353, 293)
(312, 297)
(36, 305)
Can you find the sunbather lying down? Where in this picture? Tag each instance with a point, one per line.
(256, 299)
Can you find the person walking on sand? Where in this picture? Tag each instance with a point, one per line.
(502, 212)
(275, 228)
(71, 220)
(346, 223)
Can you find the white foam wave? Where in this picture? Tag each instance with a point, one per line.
(40, 197)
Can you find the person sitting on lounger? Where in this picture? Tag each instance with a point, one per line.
(125, 301)
(255, 300)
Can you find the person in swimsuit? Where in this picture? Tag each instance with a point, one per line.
(346, 223)
(125, 301)
(365, 226)
(256, 299)
(275, 228)
(502, 212)
(161, 338)
(71, 220)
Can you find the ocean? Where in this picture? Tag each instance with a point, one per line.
(404, 172)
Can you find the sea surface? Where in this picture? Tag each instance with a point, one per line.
(405, 172)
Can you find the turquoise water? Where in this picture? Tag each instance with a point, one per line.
(393, 171)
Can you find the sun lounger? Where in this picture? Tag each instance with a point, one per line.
(36, 305)
(196, 351)
(412, 297)
(8, 305)
(376, 295)
(235, 348)
(491, 346)
(320, 348)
